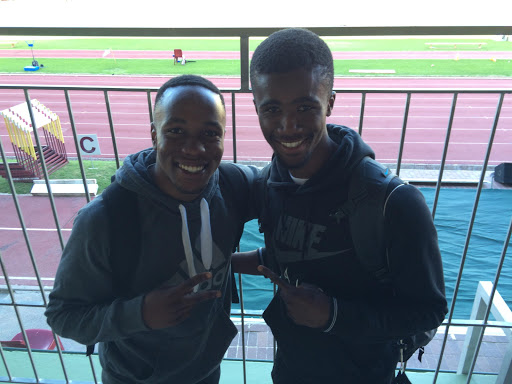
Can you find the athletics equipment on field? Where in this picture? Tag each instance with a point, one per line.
(20, 130)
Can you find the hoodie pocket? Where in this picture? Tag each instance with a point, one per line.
(125, 363)
(312, 355)
(191, 359)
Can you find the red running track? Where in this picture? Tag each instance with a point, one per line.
(382, 123)
(235, 55)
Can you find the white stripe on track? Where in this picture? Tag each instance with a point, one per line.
(34, 229)
(28, 278)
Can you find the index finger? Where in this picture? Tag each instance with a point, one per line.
(188, 285)
(269, 274)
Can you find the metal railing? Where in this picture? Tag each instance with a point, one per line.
(11, 301)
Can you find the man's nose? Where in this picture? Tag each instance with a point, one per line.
(289, 122)
(193, 145)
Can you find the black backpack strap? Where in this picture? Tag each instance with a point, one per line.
(123, 225)
(369, 186)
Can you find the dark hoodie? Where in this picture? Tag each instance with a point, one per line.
(83, 305)
(307, 245)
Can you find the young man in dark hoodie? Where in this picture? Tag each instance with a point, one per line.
(333, 320)
(167, 319)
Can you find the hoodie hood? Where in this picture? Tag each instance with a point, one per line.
(135, 175)
(351, 150)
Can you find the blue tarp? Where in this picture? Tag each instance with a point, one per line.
(452, 219)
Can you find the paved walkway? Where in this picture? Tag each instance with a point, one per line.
(260, 346)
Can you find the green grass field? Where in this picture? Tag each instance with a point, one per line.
(103, 170)
(336, 44)
(232, 67)
(112, 66)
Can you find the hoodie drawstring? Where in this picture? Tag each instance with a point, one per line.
(206, 239)
(206, 235)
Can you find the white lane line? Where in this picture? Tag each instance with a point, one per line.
(34, 229)
(367, 141)
(28, 278)
(457, 117)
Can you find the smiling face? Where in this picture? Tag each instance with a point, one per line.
(188, 136)
(292, 108)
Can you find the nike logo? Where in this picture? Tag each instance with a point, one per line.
(312, 254)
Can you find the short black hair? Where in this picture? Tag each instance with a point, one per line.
(292, 48)
(188, 80)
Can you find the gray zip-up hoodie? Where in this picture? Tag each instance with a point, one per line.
(178, 240)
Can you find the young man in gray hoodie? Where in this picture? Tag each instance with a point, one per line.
(159, 310)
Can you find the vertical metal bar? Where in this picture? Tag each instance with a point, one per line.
(93, 370)
(22, 222)
(361, 113)
(402, 139)
(273, 338)
(242, 318)
(61, 358)
(43, 165)
(80, 163)
(244, 63)
(150, 106)
(6, 366)
(50, 194)
(233, 123)
(77, 146)
(470, 229)
(18, 316)
(112, 132)
(491, 298)
(445, 152)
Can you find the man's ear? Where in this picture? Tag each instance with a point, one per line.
(153, 135)
(330, 104)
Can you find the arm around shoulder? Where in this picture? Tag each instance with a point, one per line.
(247, 262)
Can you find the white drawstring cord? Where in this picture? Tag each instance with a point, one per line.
(187, 247)
(206, 239)
(206, 235)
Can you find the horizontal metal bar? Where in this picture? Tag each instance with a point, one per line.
(259, 314)
(237, 90)
(478, 323)
(24, 304)
(233, 32)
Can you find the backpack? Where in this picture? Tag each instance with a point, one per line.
(370, 186)
(123, 226)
